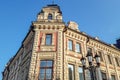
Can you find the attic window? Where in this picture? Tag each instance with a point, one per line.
(50, 17)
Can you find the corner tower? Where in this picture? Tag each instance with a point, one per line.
(47, 55)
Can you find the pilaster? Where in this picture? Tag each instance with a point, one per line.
(59, 62)
(32, 73)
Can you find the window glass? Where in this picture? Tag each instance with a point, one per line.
(116, 61)
(89, 50)
(42, 76)
(100, 53)
(49, 71)
(48, 39)
(70, 45)
(42, 71)
(49, 63)
(109, 59)
(43, 64)
(48, 76)
(113, 77)
(80, 70)
(88, 74)
(77, 47)
(46, 69)
(50, 17)
(104, 77)
(71, 72)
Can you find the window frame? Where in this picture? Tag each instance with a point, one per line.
(46, 67)
(89, 49)
(70, 45)
(109, 59)
(113, 75)
(82, 73)
(50, 16)
(117, 61)
(46, 43)
(73, 72)
(105, 75)
(77, 46)
(101, 55)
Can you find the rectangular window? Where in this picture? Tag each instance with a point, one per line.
(101, 57)
(48, 39)
(113, 77)
(80, 70)
(70, 45)
(109, 59)
(117, 62)
(71, 74)
(104, 77)
(88, 74)
(89, 50)
(46, 68)
(78, 48)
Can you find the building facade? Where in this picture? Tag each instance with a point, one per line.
(52, 51)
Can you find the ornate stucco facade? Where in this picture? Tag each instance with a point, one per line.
(62, 50)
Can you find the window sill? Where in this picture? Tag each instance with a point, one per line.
(47, 48)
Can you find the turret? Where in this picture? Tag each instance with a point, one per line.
(50, 13)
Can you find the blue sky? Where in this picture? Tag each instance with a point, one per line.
(95, 17)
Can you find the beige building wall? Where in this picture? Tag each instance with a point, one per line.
(25, 65)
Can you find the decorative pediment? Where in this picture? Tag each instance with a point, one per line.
(73, 25)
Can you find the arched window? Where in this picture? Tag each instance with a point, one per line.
(50, 17)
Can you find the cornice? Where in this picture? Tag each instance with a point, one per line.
(48, 23)
(92, 38)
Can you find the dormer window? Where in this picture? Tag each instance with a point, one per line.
(50, 17)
